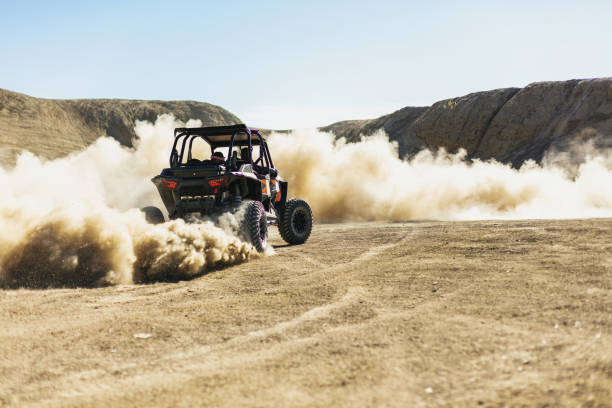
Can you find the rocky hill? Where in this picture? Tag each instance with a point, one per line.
(52, 128)
(510, 125)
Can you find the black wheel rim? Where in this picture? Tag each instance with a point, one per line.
(299, 221)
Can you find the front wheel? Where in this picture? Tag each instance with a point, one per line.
(256, 225)
(295, 223)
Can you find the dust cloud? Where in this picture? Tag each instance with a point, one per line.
(75, 221)
(367, 181)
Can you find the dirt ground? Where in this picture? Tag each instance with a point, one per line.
(364, 314)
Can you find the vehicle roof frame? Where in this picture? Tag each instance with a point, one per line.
(228, 131)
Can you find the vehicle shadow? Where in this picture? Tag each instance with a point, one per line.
(281, 246)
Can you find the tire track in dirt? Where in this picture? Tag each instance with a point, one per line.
(226, 357)
(353, 294)
(244, 348)
(338, 269)
(247, 348)
(312, 261)
(365, 329)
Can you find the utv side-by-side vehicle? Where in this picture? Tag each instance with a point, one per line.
(238, 172)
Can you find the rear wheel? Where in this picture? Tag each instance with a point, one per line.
(153, 215)
(295, 223)
(256, 225)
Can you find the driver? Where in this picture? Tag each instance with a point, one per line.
(217, 158)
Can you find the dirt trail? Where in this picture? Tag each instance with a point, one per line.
(369, 314)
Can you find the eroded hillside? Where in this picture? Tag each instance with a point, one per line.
(509, 125)
(52, 128)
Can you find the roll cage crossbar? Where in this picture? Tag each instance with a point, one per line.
(220, 136)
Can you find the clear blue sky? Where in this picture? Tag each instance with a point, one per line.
(298, 63)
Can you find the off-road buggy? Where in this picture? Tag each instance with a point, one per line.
(240, 172)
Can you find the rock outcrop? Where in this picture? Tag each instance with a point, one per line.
(549, 115)
(510, 125)
(396, 125)
(53, 128)
(458, 122)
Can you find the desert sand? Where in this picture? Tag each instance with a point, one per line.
(486, 313)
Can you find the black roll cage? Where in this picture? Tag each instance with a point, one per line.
(207, 132)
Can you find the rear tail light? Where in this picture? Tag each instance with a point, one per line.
(218, 182)
(168, 183)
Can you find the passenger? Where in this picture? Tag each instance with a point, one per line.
(217, 158)
(244, 155)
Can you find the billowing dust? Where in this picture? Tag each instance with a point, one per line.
(75, 221)
(367, 181)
